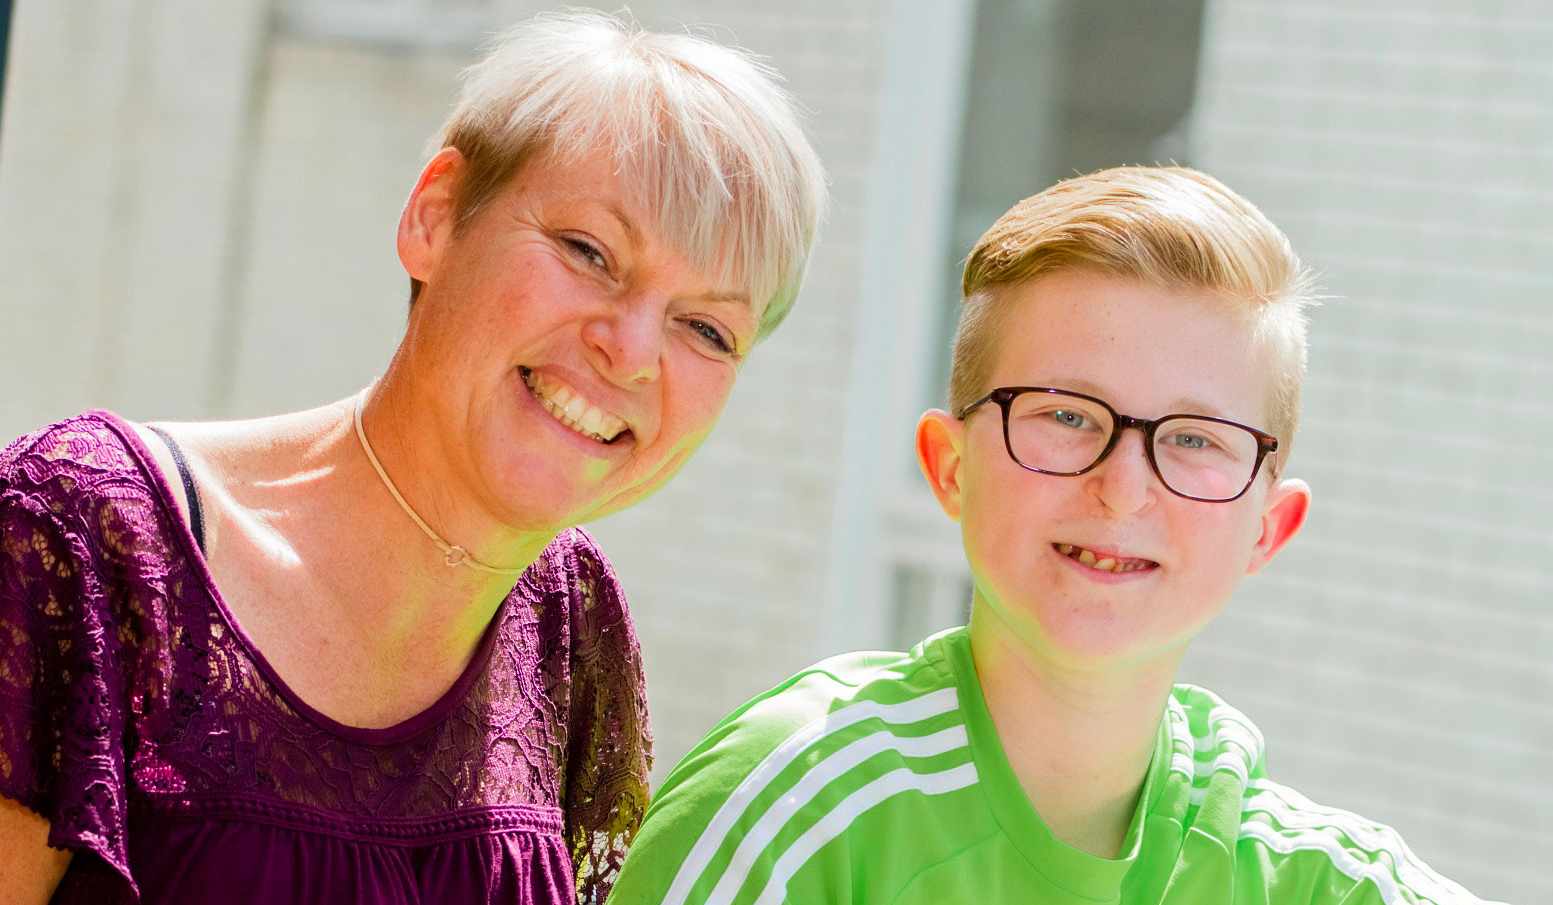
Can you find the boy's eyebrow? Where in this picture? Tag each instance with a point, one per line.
(1193, 406)
(1080, 384)
(1184, 405)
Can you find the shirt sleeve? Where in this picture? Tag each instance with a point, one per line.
(62, 720)
(609, 743)
(684, 808)
(1292, 850)
(699, 816)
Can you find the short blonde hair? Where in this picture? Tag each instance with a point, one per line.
(1171, 227)
(706, 133)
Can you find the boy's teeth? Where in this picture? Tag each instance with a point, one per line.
(1102, 563)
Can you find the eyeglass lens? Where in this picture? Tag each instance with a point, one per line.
(1195, 457)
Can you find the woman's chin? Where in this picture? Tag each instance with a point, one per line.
(539, 493)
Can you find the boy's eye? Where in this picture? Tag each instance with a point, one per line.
(588, 252)
(713, 336)
(1189, 441)
(1069, 418)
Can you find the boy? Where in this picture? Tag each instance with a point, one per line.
(1124, 393)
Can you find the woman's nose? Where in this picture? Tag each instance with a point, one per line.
(626, 344)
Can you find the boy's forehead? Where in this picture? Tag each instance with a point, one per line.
(1133, 344)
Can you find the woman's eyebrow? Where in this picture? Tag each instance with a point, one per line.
(633, 235)
(715, 296)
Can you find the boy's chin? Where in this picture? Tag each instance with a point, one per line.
(1072, 636)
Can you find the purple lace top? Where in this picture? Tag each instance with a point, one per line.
(139, 719)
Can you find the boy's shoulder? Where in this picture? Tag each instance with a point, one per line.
(1275, 839)
(880, 688)
(778, 790)
(1208, 735)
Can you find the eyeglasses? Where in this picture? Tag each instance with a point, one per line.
(1063, 433)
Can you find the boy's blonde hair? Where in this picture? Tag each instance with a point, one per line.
(703, 132)
(1171, 227)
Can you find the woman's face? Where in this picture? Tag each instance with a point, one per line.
(570, 360)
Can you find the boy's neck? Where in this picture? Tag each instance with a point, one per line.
(1078, 740)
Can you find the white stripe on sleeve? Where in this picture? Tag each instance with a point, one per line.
(905, 712)
(771, 822)
(836, 822)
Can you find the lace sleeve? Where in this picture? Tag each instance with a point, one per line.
(61, 688)
(609, 748)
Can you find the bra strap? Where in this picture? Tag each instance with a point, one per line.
(190, 492)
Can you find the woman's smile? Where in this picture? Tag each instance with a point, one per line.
(571, 408)
(536, 408)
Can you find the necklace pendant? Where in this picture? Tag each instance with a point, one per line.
(456, 556)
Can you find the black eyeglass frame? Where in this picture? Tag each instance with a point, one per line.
(1266, 444)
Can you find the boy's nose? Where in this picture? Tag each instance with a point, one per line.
(1124, 483)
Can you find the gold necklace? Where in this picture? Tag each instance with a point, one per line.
(453, 554)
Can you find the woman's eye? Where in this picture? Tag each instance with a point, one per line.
(713, 336)
(1190, 441)
(589, 253)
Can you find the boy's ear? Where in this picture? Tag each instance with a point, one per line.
(1287, 505)
(940, 439)
(427, 218)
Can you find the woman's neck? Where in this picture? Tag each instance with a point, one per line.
(1079, 741)
(312, 489)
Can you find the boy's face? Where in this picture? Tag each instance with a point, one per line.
(1148, 352)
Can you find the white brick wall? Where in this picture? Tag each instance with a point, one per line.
(116, 201)
(1397, 656)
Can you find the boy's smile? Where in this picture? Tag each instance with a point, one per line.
(1104, 563)
(1110, 563)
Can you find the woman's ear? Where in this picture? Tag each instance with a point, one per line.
(427, 219)
(1282, 516)
(940, 438)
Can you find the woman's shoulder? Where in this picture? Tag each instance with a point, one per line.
(73, 456)
(573, 563)
(64, 439)
(574, 594)
(84, 481)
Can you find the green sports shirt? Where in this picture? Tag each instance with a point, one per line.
(879, 778)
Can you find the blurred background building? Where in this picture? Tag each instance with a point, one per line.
(197, 210)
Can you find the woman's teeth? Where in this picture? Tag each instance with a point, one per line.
(1104, 563)
(567, 406)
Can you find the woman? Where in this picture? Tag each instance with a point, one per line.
(357, 653)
